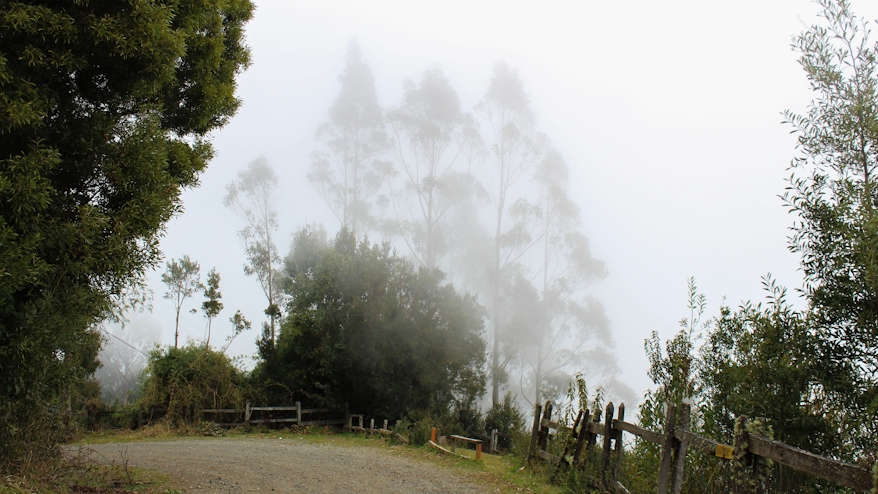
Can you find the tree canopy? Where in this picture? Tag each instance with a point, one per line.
(365, 328)
(104, 110)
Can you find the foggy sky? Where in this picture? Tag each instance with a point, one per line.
(668, 114)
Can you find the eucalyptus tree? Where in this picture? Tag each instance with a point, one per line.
(211, 305)
(104, 114)
(834, 194)
(183, 279)
(573, 326)
(349, 174)
(516, 147)
(252, 197)
(436, 147)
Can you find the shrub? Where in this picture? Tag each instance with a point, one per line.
(186, 380)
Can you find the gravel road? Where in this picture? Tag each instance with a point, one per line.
(224, 465)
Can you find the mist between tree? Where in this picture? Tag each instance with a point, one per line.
(474, 191)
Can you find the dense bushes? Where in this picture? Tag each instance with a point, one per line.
(366, 329)
(185, 380)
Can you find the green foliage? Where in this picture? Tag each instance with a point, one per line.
(183, 279)
(833, 192)
(104, 106)
(365, 329)
(506, 417)
(252, 197)
(211, 305)
(186, 380)
(758, 361)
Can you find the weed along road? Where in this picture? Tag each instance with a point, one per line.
(281, 464)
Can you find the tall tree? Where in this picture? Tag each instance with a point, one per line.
(183, 279)
(833, 191)
(349, 175)
(211, 305)
(516, 147)
(436, 146)
(573, 327)
(103, 116)
(252, 197)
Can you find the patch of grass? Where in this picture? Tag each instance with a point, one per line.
(77, 473)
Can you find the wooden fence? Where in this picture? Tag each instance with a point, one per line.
(275, 415)
(676, 441)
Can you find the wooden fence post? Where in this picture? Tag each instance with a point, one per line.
(593, 438)
(760, 464)
(608, 437)
(570, 447)
(544, 430)
(667, 448)
(618, 468)
(534, 433)
(739, 455)
(298, 413)
(583, 433)
(680, 449)
(493, 446)
(247, 414)
(433, 434)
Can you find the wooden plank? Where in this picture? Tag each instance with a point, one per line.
(618, 488)
(272, 409)
(846, 474)
(608, 437)
(320, 410)
(619, 450)
(467, 439)
(653, 437)
(321, 422)
(222, 410)
(595, 427)
(551, 424)
(581, 440)
(667, 448)
(548, 457)
(534, 433)
(680, 450)
(271, 421)
(704, 445)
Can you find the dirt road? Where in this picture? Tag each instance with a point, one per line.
(224, 465)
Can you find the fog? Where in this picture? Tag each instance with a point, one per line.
(668, 115)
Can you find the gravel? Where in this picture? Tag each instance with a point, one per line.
(223, 465)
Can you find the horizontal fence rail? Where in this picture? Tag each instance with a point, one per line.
(293, 415)
(676, 441)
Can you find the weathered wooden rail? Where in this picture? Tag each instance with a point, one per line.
(676, 441)
(275, 415)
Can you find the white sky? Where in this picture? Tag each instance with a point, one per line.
(669, 114)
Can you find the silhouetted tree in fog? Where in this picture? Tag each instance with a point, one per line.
(516, 147)
(570, 327)
(183, 279)
(436, 146)
(251, 196)
(349, 175)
